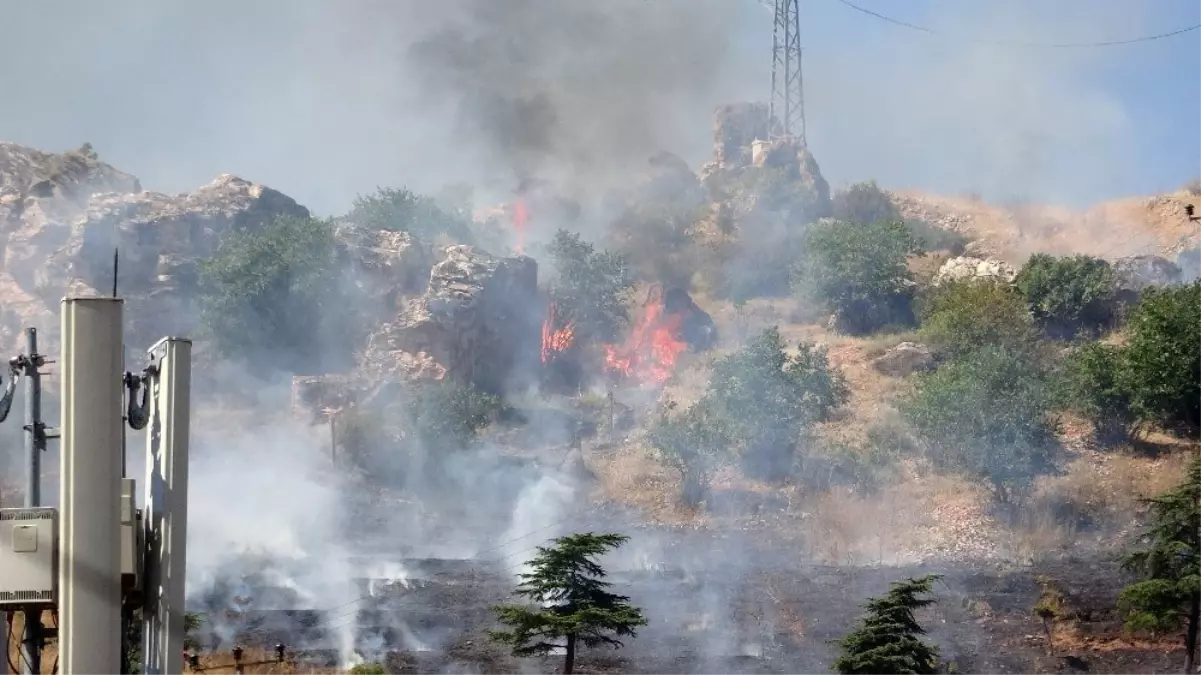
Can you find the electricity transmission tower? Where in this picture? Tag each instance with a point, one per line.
(787, 109)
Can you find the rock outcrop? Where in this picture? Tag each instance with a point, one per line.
(479, 321)
(965, 268)
(735, 127)
(904, 359)
(383, 267)
(696, 326)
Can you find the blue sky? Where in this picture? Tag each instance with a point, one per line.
(323, 99)
(1099, 122)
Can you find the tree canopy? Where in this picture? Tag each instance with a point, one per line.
(888, 637)
(1169, 594)
(860, 272)
(575, 605)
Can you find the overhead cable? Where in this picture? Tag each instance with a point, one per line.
(1011, 43)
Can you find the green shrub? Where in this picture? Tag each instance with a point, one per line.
(867, 203)
(271, 295)
(1163, 357)
(425, 420)
(1091, 383)
(859, 271)
(759, 404)
(1069, 295)
(404, 211)
(589, 289)
(986, 415)
(367, 669)
(962, 316)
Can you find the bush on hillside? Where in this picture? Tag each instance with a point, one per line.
(961, 316)
(1091, 383)
(426, 421)
(867, 203)
(270, 296)
(986, 414)
(694, 442)
(864, 203)
(859, 271)
(402, 210)
(589, 288)
(760, 402)
(1069, 295)
(1163, 357)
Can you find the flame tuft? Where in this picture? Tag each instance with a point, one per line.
(554, 340)
(649, 355)
(521, 218)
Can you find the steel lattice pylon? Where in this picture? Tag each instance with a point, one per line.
(787, 108)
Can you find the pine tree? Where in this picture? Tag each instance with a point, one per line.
(888, 637)
(1170, 592)
(575, 605)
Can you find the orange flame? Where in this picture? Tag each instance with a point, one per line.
(650, 353)
(555, 341)
(521, 218)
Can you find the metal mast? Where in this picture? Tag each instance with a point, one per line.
(787, 110)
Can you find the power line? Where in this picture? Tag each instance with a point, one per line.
(1008, 43)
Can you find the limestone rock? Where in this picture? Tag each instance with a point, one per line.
(383, 265)
(966, 268)
(904, 359)
(735, 127)
(479, 321)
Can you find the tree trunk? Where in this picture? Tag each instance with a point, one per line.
(1190, 635)
(569, 660)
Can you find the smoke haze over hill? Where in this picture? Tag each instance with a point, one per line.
(325, 101)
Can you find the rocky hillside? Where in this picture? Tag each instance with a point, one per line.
(441, 313)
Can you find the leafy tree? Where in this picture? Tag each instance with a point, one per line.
(590, 288)
(860, 272)
(1163, 356)
(867, 203)
(575, 603)
(888, 638)
(1070, 294)
(760, 401)
(428, 419)
(986, 414)
(692, 442)
(864, 203)
(1170, 563)
(1091, 383)
(405, 211)
(270, 295)
(961, 316)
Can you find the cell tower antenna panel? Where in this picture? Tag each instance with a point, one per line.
(787, 109)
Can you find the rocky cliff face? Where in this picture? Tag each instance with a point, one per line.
(479, 321)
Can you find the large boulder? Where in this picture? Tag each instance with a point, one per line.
(904, 359)
(696, 326)
(381, 268)
(479, 321)
(161, 239)
(967, 268)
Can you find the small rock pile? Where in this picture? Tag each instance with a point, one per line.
(964, 268)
